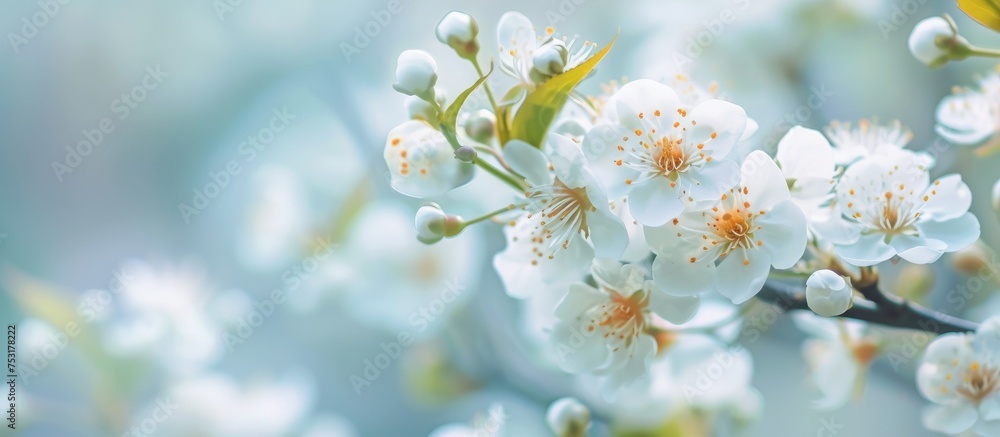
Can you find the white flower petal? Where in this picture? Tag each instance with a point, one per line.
(765, 183)
(713, 179)
(642, 96)
(567, 160)
(674, 309)
(682, 278)
(805, 153)
(607, 233)
(719, 125)
(868, 250)
(957, 233)
(783, 234)
(654, 202)
(580, 298)
(917, 249)
(948, 197)
(527, 161)
(742, 274)
(949, 419)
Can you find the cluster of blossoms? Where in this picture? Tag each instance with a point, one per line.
(633, 211)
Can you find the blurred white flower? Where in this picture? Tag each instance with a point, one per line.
(970, 116)
(421, 161)
(652, 148)
(828, 294)
(417, 286)
(165, 312)
(838, 353)
(960, 374)
(694, 373)
(416, 74)
(868, 138)
(603, 330)
(277, 226)
(895, 210)
(331, 426)
(752, 227)
(218, 404)
(490, 424)
(996, 197)
(932, 40)
(568, 417)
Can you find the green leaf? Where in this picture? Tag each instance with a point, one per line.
(540, 107)
(448, 124)
(985, 12)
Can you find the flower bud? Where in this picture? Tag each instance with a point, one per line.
(481, 125)
(934, 41)
(416, 74)
(466, 154)
(550, 59)
(433, 224)
(459, 30)
(828, 294)
(567, 417)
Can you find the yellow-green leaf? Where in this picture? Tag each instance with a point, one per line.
(985, 12)
(451, 114)
(541, 106)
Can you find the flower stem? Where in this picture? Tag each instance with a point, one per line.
(486, 86)
(983, 52)
(489, 215)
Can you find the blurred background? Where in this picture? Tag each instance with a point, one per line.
(198, 237)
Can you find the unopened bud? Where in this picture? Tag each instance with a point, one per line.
(433, 224)
(567, 417)
(416, 74)
(828, 294)
(481, 125)
(935, 41)
(466, 154)
(550, 59)
(459, 30)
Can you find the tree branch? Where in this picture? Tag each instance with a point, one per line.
(879, 308)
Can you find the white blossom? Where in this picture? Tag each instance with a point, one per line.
(894, 209)
(421, 161)
(662, 153)
(732, 245)
(960, 374)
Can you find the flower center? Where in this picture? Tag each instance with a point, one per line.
(670, 155)
(978, 382)
(864, 351)
(560, 212)
(622, 318)
(734, 225)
